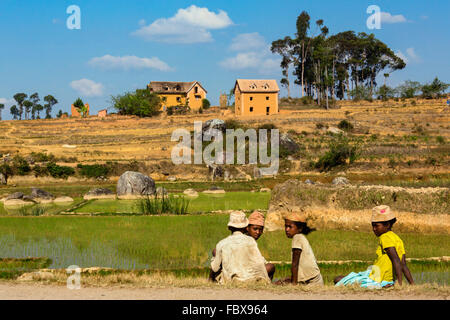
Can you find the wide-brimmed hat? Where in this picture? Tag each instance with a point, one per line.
(256, 218)
(382, 213)
(238, 219)
(296, 216)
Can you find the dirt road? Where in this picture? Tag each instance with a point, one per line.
(15, 291)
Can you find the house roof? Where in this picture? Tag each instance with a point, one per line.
(257, 85)
(172, 86)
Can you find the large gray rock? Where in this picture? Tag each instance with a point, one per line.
(213, 124)
(288, 144)
(135, 184)
(340, 181)
(41, 194)
(99, 192)
(15, 196)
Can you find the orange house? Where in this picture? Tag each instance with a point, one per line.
(255, 97)
(179, 93)
(75, 112)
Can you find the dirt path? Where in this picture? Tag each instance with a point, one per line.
(14, 291)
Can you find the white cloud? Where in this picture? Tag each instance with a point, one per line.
(129, 62)
(87, 88)
(188, 25)
(386, 17)
(247, 41)
(7, 102)
(254, 53)
(142, 22)
(409, 57)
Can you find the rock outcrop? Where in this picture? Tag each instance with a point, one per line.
(135, 184)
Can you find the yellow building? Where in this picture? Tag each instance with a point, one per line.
(179, 93)
(255, 97)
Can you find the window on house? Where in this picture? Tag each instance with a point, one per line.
(267, 98)
(196, 90)
(251, 98)
(177, 88)
(251, 109)
(198, 97)
(267, 110)
(166, 88)
(178, 99)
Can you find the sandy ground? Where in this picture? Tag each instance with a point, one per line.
(15, 291)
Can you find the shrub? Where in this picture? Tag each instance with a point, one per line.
(345, 125)
(40, 171)
(42, 157)
(20, 166)
(268, 126)
(233, 124)
(340, 151)
(320, 125)
(93, 171)
(181, 109)
(142, 103)
(205, 104)
(57, 171)
(440, 139)
(170, 204)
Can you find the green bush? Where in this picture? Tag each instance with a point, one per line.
(345, 125)
(40, 171)
(93, 171)
(165, 204)
(57, 171)
(205, 104)
(142, 103)
(233, 124)
(440, 139)
(42, 157)
(20, 166)
(268, 126)
(340, 151)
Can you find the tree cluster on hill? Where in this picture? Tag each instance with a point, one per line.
(30, 108)
(142, 103)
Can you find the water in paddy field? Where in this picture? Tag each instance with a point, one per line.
(64, 253)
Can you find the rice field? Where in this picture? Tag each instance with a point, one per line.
(175, 242)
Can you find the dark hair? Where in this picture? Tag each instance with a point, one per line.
(304, 228)
(234, 229)
(390, 222)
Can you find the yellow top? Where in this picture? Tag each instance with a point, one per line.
(382, 267)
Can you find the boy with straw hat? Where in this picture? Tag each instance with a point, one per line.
(391, 258)
(255, 229)
(237, 256)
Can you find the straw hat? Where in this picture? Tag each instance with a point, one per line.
(296, 216)
(382, 213)
(238, 219)
(256, 218)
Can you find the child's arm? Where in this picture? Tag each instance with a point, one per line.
(392, 254)
(294, 267)
(406, 271)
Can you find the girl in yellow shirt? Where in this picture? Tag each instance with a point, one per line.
(390, 264)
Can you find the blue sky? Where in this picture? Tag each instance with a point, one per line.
(123, 45)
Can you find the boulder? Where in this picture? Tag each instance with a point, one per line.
(135, 184)
(172, 178)
(16, 203)
(335, 130)
(37, 193)
(340, 181)
(39, 275)
(274, 221)
(256, 173)
(307, 181)
(216, 171)
(214, 190)
(213, 124)
(15, 196)
(288, 144)
(264, 190)
(99, 193)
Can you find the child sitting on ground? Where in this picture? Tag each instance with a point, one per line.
(304, 269)
(255, 229)
(237, 257)
(391, 259)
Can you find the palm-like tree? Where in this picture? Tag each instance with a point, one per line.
(34, 98)
(51, 101)
(28, 105)
(2, 106)
(14, 111)
(20, 98)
